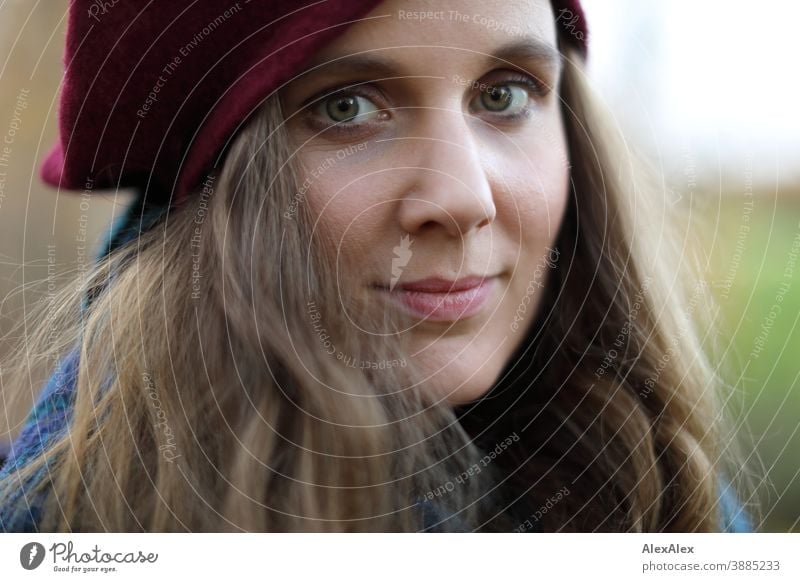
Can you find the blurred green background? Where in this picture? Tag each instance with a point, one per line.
(752, 271)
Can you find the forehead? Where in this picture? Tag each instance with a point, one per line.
(427, 31)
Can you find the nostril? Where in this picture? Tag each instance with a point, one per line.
(428, 225)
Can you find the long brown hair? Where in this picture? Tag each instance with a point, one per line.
(215, 392)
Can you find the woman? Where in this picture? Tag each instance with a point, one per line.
(416, 290)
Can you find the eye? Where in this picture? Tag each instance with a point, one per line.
(345, 107)
(504, 99)
(511, 97)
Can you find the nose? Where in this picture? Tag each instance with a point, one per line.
(448, 189)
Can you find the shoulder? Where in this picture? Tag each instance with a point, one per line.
(733, 515)
(48, 418)
(49, 414)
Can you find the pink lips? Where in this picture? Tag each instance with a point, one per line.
(438, 300)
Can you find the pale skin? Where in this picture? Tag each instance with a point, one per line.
(453, 142)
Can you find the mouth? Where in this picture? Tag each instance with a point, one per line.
(442, 300)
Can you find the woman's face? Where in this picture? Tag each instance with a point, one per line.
(433, 147)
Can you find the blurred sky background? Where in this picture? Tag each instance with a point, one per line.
(707, 89)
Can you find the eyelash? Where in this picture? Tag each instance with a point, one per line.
(534, 87)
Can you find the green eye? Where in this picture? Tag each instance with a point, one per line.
(504, 98)
(344, 108)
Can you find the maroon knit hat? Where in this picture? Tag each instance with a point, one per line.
(153, 91)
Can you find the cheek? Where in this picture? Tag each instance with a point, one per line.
(346, 205)
(533, 194)
(533, 191)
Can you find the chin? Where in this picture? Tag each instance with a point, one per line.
(462, 385)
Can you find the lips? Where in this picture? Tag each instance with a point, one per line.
(437, 285)
(441, 300)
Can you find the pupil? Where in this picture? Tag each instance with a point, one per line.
(343, 108)
(499, 98)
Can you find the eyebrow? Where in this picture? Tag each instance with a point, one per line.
(527, 49)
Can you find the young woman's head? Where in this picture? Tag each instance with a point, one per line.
(308, 369)
(433, 146)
